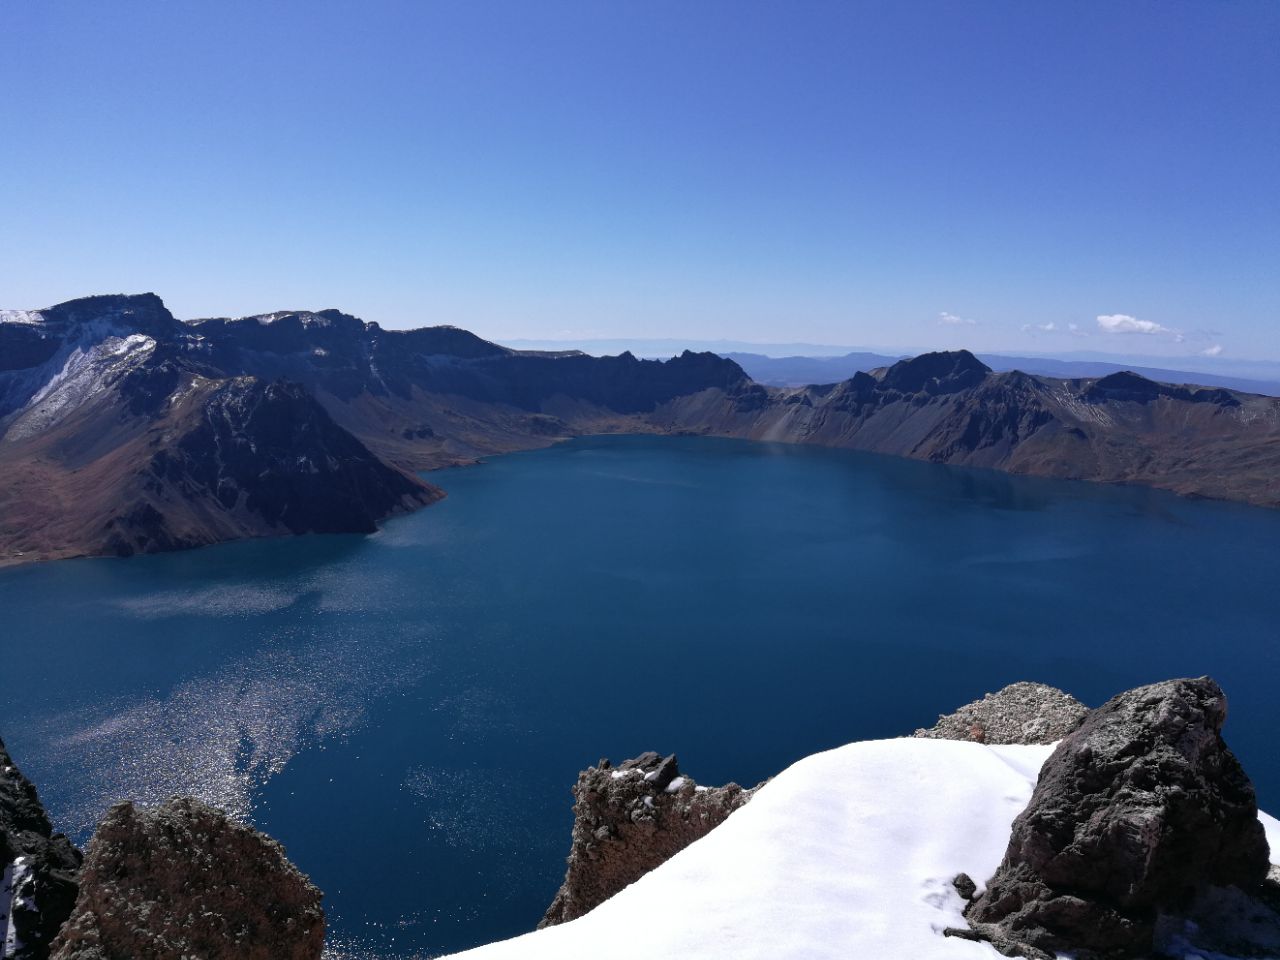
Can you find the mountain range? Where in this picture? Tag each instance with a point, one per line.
(798, 371)
(126, 430)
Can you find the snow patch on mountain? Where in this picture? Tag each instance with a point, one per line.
(85, 373)
(21, 316)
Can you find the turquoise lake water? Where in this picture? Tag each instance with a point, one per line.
(408, 711)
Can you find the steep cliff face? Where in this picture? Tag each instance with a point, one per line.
(629, 819)
(39, 869)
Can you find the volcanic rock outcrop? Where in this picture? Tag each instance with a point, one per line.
(1140, 814)
(629, 819)
(1020, 713)
(182, 880)
(38, 869)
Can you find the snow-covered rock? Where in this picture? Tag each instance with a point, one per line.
(848, 853)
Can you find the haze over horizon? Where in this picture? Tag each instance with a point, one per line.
(999, 176)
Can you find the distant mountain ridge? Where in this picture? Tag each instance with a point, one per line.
(125, 430)
(802, 371)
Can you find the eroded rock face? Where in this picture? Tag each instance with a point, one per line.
(182, 880)
(38, 869)
(630, 819)
(1137, 815)
(1020, 713)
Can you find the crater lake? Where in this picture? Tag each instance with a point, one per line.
(408, 711)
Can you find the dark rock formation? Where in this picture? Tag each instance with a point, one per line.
(272, 449)
(182, 880)
(1140, 813)
(630, 819)
(935, 374)
(1133, 388)
(1020, 713)
(38, 869)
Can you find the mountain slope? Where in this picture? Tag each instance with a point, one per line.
(952, 408)
(116, 442)
(440, 396)
(124, 430)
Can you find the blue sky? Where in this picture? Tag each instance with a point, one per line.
(890, 174)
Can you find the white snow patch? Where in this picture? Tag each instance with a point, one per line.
(21, 316)
(675, 785)
(12, 896)
(1271, 826)
(848, 853)
(86, 373)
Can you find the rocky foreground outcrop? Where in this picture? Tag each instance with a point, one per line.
(1141, 820)
(629, 819)
(38, 869)
(182, 880)
(1020, 713)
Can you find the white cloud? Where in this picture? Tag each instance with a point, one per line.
(1049, 327)
(1213, 351)
(1122, 323)
(951, 320)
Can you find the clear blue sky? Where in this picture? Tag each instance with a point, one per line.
(839, 172)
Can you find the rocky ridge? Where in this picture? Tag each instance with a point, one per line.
(629, 819)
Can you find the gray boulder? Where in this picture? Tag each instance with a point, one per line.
(1138, 816)
(182, 880)
(38, 869)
